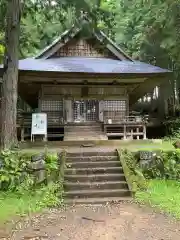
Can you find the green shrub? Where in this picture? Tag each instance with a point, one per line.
(172, 128)
(17, 174)
(51, 165)
(14, 170)
(19, 193)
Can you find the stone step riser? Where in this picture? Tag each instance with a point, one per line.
(91, 159)
(83, 127)
(95, 164)
(91, 154)
(97, 201)
(83, 130)
(95, 186)
(79, 139)
(71, 171)
(97, 194)
(94, 178)
(84, 135)
(87, 131)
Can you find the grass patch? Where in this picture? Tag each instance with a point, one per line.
(164, 146)
(24, 203)
(163, 194)
(134, 145)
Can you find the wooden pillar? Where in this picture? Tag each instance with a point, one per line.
(137, 130)
(144, 132)
(101, 111)
(45, 138)
(132, 133)
(125, 134)
(68, 110)
(22, 134)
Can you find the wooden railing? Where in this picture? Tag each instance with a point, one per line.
(127, 119)
(130, 127)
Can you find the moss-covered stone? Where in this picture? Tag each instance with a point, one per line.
(133, 175)
(176, 144)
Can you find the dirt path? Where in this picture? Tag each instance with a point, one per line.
(122, 222)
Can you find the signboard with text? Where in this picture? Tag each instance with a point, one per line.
(39, 124)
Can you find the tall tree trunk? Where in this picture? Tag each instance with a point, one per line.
(10, 76)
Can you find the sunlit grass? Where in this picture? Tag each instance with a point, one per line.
(14, 204)
(164, 195)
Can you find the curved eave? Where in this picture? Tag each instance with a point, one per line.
(96, 75)
(84, 66)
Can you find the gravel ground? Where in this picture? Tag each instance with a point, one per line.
(122, 222)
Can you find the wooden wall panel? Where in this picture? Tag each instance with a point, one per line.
(60, 91)
(56, 92)
(83, 48)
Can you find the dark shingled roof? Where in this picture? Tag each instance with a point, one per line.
(88, 65)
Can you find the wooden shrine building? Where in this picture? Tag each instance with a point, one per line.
(87, 86)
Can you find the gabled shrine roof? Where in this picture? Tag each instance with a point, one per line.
(88, 65)
(122, 64)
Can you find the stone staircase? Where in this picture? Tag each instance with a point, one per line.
(84, 132)
(92, 177)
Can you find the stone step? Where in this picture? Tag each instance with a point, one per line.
(98, 193)
(95, 185)
(83, 127)
(93, 159)
(81, 138)
(98, 201)
(94, 177)
(92, 164)
(84, 132)
(79, 130)
(89, 153)
(84, 135)
(87, 135)
(97, 170)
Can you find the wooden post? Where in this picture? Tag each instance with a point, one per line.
(144, 132)
(137, 130)
(45, 138)
(132, 133)
(22, 134)
(105, 129)
(125, 137)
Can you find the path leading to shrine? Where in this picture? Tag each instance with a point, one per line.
(125, 221)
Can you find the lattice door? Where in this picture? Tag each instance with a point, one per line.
(79, 111)
(85, 110)
(92, 112)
